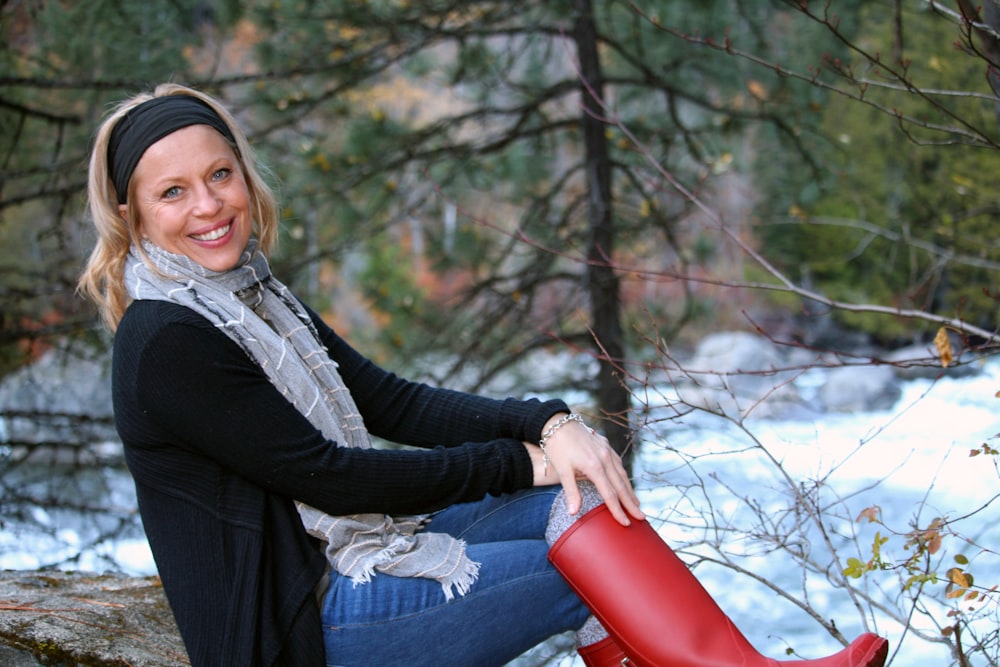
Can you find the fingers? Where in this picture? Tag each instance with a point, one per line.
(627, 496)
(590, 456)
(573, 497)
(616, 490)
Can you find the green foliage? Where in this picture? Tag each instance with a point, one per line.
(374, 114)
(64, 63)
(891, 216)
(388, 282)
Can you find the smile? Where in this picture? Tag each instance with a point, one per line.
(213, 235)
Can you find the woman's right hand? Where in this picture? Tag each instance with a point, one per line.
(577, 452)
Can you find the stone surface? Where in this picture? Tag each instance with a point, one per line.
(860, 389)
(85, 620)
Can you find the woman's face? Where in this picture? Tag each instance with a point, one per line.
(191, 197)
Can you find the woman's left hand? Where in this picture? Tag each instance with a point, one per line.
(577, 452)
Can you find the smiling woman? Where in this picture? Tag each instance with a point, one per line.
(125, 138)
(191, 198)
(281, 535)
(246, 423)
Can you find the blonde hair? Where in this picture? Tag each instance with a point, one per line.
(102, 279)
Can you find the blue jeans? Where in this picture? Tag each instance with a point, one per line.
(518, 601)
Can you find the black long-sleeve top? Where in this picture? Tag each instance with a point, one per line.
(218, 455)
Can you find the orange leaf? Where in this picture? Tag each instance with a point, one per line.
(934, 544)
(959, 578)
(757, 89)
(871, 513)
(943, 344)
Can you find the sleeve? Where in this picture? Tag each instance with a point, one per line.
(200, 388)
(417, 414)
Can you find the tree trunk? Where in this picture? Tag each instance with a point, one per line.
(613, 397)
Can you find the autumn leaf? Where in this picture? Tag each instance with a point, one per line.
(960, 583)
(871, 513)
(959, 577)
(943, 344)
(757, 89)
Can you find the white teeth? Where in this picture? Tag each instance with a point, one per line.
(212, 235)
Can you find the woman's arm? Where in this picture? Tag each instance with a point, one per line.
(418, 414)
(194, 388)
(413, 413)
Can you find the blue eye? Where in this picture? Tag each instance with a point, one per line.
(221, 174)
(171, 192)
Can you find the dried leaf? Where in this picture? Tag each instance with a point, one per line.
(871, 513)
(757, 89)
(934, 544)
(943, 344)
(959, 578)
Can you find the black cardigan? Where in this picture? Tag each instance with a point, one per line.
(218, 454)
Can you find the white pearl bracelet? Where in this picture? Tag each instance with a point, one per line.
(550, 431)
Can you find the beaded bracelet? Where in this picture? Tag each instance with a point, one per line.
(550, 431)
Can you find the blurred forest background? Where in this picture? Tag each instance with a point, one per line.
(466, 183)
(470, 188)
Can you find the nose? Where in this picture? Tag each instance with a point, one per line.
(208, 201)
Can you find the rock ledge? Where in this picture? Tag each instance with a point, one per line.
(85, 620)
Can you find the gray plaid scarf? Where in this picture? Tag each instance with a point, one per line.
(260, 314)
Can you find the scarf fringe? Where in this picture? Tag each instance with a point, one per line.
(459, 582)
(462, 581)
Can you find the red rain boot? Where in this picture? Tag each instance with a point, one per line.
(656, 610)
(604, 653)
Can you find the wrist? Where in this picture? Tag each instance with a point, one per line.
(542, 417)
(552, 427)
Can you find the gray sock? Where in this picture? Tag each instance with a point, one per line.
(559, 517)
(559, 520)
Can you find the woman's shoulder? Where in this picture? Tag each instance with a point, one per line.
(169, 338)
(154, 314)
(157, 323)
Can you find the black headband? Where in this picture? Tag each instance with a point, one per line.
(144, 125)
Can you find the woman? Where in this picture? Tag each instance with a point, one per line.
(281, 536)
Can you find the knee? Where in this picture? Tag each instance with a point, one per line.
(559, 517)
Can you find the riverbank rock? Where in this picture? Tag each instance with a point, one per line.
(64, 397)
(860, 389)
(61, 619)
(732, 372)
